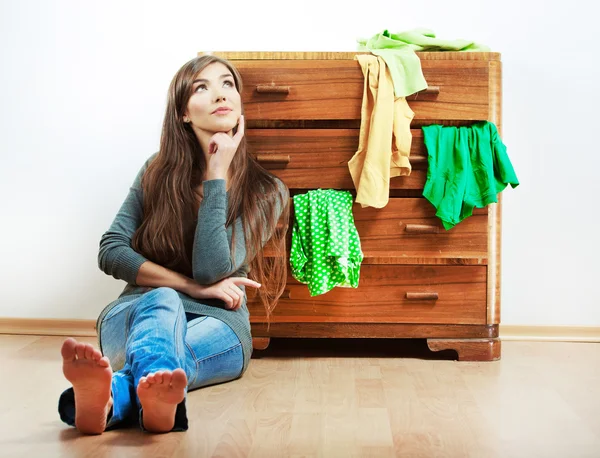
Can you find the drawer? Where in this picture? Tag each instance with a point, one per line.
(333, 89)
(318, 158)
(407, 231)
(388, 294)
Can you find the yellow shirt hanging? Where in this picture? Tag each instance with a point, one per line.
(385, 137)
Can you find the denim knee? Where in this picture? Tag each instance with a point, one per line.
(165, 293)
(162, 297)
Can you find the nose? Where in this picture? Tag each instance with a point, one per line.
(219, 97)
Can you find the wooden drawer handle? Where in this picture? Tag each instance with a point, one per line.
(286, 294)
(272, 89)
(431, 90)
(422, 296)
(273, 158)
(421, 229)
(414, 160)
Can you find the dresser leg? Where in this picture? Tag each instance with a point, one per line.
(469, 349)
(260, 343)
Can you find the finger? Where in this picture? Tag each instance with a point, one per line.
(245, 281)
(233, 297)
(220, 295)
(240, 294)
(213, 147)
(234, 292)
(240, 130)
(218, 141)
(238, 291)
(226, 298)
(214, 143)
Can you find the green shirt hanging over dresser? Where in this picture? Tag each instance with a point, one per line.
(468, 167)
(325, 250)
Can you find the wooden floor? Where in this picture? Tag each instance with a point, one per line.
(335, 399)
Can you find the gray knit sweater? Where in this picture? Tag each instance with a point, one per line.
(211, 256)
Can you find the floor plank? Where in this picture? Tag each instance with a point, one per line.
(357, 400)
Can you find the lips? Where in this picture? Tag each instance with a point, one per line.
(222, 110)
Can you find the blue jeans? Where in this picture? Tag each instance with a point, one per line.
(153, 333)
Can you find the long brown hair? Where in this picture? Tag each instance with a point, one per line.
(170, 200)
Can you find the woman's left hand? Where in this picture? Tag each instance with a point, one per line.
(228, 290)
(221, 150)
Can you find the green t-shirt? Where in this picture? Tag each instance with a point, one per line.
(467, 167)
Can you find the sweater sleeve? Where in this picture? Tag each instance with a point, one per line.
(116, 257)
(211, 256)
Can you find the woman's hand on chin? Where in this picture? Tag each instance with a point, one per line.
(221, 150)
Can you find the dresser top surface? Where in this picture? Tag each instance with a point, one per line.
(342, 55)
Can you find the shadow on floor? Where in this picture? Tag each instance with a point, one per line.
(353, 348)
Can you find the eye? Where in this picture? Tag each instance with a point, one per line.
(201, 87)
(228, 83)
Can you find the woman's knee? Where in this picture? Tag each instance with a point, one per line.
(164, 293)
(162, 298)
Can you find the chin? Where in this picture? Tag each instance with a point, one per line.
(224, 127)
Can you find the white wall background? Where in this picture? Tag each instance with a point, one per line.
(82, 92)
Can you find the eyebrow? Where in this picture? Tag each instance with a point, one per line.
(203, 80)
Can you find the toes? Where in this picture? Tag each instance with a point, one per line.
(88, 352)
(103, 361)
(96, 355)
(176, 378)
(71, 350)
(80, 350)
(166, 377)
(179, 379)
(68, 349)
(143, 383)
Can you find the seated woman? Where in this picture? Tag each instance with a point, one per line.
(189, 234)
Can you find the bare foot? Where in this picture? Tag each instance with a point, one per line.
(91, 374)
(159, 395)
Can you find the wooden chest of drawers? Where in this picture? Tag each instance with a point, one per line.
(417, 279)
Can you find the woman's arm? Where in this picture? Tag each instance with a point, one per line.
(156, 276)
(228, 290)
(211, 256)
(116, 257)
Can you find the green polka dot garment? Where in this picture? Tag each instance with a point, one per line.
(325, 250)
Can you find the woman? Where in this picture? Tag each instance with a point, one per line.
(189, 233)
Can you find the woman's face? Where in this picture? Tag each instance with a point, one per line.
(215, 104)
